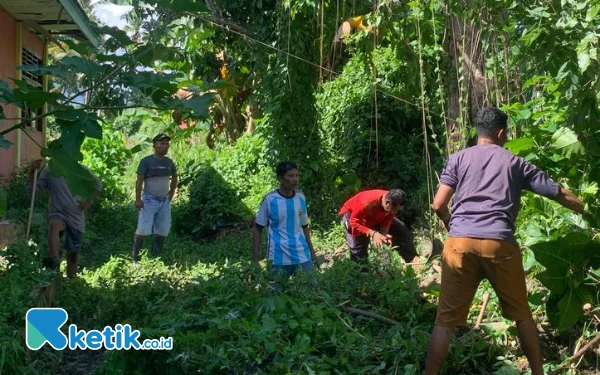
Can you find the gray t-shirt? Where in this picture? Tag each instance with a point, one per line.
(62, 203)
(488, 181)
(157, 175)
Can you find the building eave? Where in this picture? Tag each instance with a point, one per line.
(53, 17)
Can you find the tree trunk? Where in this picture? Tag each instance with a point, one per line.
(471, 91)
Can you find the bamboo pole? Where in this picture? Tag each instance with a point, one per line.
(34, 189)
(486, 299)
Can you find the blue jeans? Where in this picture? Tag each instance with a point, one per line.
(155, 216)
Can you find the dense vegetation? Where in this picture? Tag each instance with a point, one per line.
(243, 84)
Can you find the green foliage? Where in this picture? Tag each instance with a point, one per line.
(127, 124)
(18, 201)
(329, 130)
(213, 205)
(567, 261)
(563, 92)
(246, 167)
(109, 80)
(558, 149)
(152, 125)
(384, 149)
(558, 124)
(108, 159)
(20, 272)
(4, 143)
(221, 313)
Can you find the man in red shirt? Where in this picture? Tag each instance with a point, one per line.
(372, 214)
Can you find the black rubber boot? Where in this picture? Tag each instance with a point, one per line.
(137, 245)
(157, 245)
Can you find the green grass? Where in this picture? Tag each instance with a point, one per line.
(224, 319)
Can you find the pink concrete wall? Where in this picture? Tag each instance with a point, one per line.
(31, 151)
(8, 63)
(8, 57)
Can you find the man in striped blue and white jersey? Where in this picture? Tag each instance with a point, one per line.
(284, 212)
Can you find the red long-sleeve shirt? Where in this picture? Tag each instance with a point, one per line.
(366, 212)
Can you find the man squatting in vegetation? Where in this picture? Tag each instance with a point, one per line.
(158, 176)
(488, 181)
(284, 212)
(371, 214)
(66, 217)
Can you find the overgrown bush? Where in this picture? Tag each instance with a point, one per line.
(246, 167)
(18, 201)
(223, 184)
(385, 149)
(108, 158)
(20, 271)
(213, 205)
(128, 124)
(153, 125)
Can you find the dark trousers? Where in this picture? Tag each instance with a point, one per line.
(402, 240)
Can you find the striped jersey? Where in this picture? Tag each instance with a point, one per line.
(285, 217)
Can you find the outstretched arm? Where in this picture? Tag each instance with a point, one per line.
(139, 182)
(41, 182)
(173, 186)
(440, 204)
(257, 237)
(309, 242)
(86, 204)
(567, 199)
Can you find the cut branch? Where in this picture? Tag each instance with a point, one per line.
(370, 314)
(585, 348)
(486, 299)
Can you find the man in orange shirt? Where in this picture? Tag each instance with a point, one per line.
(371, 214)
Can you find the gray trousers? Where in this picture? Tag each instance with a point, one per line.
(402, 239)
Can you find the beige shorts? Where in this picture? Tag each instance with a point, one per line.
(467, 261)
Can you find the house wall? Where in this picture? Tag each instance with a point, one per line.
(8, 56)
(30, 150)
(23, 148)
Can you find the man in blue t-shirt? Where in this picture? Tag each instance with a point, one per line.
(284, 212)
(157, 175)
(487, 181)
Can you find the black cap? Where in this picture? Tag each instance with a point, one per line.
(160, 137)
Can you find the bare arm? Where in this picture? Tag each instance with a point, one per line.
(33, 169)
(173, 186)
(440, 204)
(41, 183)
(257, 235)
(567, 199)
(138, 191)
(309, 242)
(86, 204)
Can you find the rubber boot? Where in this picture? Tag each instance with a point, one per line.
(137, 245)
(157, 245)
